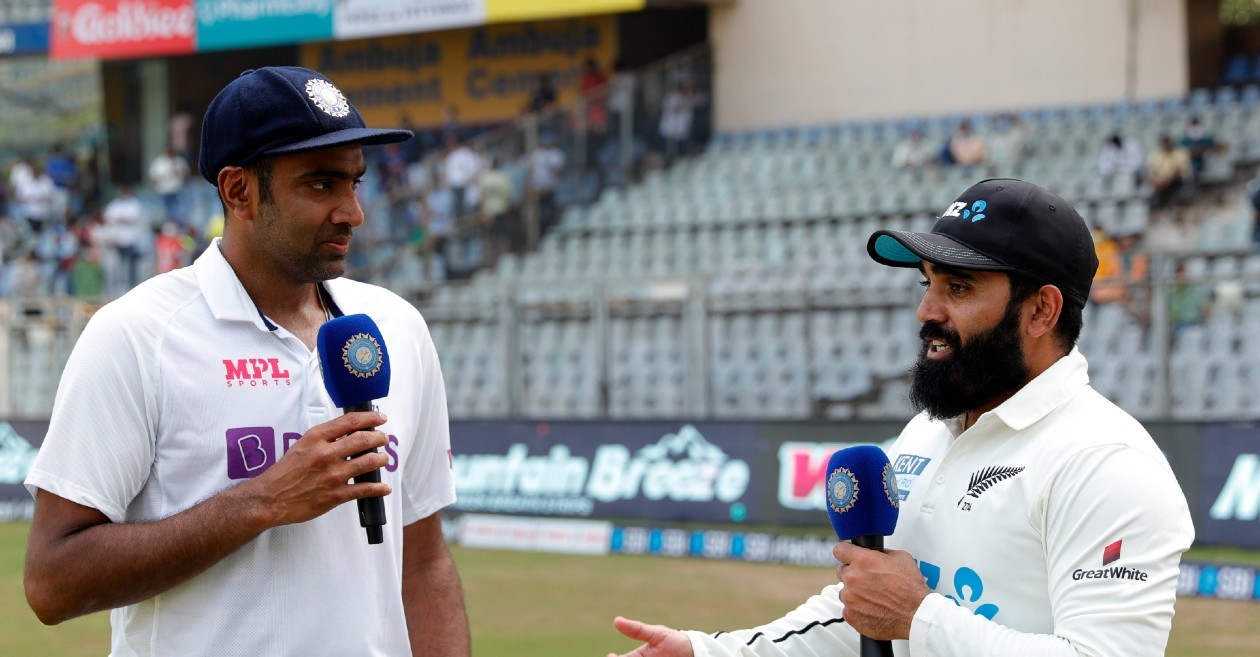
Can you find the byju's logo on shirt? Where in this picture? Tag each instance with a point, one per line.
(251, 450)
(255, 373)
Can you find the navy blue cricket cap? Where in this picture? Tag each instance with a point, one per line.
(1005, 225)
(277, 110)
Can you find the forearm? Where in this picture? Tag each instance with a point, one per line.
(814, 629)
(434, 604)
(109, 565)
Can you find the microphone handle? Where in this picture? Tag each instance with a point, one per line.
(870, 542)
(870, 647)
(371, 509)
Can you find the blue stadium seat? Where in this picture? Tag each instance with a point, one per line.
(1236, 70)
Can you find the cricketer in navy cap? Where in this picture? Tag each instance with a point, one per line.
(277, 110)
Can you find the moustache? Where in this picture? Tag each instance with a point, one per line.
(940, 332)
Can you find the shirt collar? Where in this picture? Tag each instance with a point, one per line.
(1059, 383)
(227, 298)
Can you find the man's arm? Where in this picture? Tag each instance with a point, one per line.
(78, 562)
(432, 597)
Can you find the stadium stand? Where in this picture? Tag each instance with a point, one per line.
(735, 283)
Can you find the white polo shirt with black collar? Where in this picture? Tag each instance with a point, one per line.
(181, 389)
(1053, 526)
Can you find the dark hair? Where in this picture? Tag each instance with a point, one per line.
(1071, 317)
(262, 170)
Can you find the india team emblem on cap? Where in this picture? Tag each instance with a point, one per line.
(842, 490)
(327, 98)
(362, 355)
(890, 486)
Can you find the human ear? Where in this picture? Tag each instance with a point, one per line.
(234, 191)
(1045, 307)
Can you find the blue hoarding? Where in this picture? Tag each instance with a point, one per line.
(23, 39)
(223, 24)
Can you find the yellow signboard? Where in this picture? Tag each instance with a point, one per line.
(486, 73)
(498, 11)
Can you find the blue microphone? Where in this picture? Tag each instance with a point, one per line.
(862, 503)
(355, 364)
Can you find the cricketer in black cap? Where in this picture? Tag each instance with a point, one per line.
(241, 496)
(1036, 516)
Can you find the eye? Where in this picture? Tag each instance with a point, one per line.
(322, 185)
(925, 283)
(356, 183)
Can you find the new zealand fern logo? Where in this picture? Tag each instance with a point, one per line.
(982, 480)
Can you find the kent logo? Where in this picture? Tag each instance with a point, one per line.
(255, 373)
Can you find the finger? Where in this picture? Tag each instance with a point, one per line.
(347, 424)
(639, 631)
(359, 442)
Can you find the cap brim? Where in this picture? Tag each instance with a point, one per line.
(364, 136)
(897, 248)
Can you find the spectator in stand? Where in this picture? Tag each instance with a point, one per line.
(122, 236)
(912, 153)
(64, 171)
(544, 95)
(34, 193)
(1007, 145)
(87, 277)
(451, 127)
(1198, 142)
(27, 277)
(180, 128)
(965, 148)
(497, 218)
(1167, 170)
(169, 248)
(460, 168)
(167, 173)
(677, 118)
(1121, 157)
(1189, 304)
(1122, 275)
(546, 164)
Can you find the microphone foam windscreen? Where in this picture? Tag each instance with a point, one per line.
(862, 497)
(354, 360)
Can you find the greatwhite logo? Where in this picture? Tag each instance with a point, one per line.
(327, 98)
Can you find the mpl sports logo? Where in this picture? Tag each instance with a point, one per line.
(255, 373)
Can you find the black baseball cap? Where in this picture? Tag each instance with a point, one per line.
(276, 110)
(1002, 224)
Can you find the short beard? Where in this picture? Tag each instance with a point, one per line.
(991, 365)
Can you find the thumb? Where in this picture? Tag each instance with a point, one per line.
(649, 634)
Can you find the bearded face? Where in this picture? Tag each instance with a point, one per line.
(975, 372)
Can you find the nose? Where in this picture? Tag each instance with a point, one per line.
(348, 210)
(931, 310)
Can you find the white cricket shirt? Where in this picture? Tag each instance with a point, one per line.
(1053, 526)
(181, 389)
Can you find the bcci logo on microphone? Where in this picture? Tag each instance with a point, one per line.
(362, 355)
(842, 490)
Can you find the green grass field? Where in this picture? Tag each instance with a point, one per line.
(543, 605)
